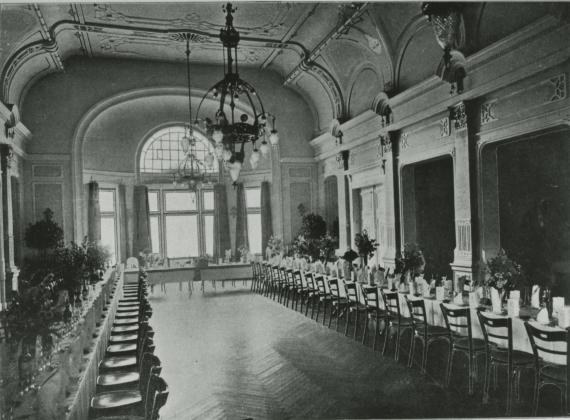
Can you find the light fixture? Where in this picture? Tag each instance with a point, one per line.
(229, 129)
(192, 171)
(449, 29)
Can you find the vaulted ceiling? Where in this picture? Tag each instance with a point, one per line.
(338, 56)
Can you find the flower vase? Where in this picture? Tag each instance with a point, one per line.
(497, 300)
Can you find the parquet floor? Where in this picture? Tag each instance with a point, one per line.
(232, 354)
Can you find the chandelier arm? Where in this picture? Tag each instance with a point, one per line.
(188, 78)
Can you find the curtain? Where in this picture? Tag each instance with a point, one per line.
(93, 213)
(241, 220)
(221, 222)
(123, 225)
(266, 221)
(141, 236)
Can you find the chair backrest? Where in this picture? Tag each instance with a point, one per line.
(320, 280)
(156, 397)
(499, 328)
(275, 274)
(351, 291)
(371, 296)
(310, 280)
(538, 339)
(334, 288)
(392, 302)
(254, 269)
(289, 276)
(417, 308)
(458, 321)
(147, 366)
(298, 279)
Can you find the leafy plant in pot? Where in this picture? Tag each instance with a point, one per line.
(366, 247)
(411, 263)
(96, 257)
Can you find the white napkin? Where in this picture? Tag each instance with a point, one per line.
(440, 293)
(542, 317)
(513, 307)
(557, 304)
(564, 317)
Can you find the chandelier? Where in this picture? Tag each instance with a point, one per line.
(229, 131)
(192, 170)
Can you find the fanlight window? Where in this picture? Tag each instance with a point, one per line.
(163, 153)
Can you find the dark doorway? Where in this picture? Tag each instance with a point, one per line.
(435, 214)
(534, 207)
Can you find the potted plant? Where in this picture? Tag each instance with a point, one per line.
(366, 247)
(502, 275)
(411, 263)
(274, 246)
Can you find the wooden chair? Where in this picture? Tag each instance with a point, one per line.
(397, 321)
(301, 290)
(312, 293)
(127, 379)
(421, 330)
(354, 305)
(324, 297)
(549, 373)
(501, 328)
(458, 323)
(338, 302)
(373, 311)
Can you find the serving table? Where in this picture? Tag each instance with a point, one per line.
(213, 273)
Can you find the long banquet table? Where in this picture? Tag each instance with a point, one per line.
(434, 316)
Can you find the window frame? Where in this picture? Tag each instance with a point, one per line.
(162, 213)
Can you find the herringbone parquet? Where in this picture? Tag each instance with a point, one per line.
(232, 354)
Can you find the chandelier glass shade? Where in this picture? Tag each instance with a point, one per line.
(240, 117)
(192, 170)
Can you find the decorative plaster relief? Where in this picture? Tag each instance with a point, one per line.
(444, 127)
(47, 171)
(274, 26)
(463, 234)
(559, 85)
(404, 140)
(460, 116)
(488, 112)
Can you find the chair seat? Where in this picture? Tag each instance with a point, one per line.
(556, 372)
(124, 329)
(357, 306)
(462, 343)
(126, 321)
(129, 305)
(118, 362)
(115, 399)
(122, 348)
(519, 357)
(129, 308)
(341, 301)
(129, 314)
(403, 322)
(128, 300)
(436, 330)
(117, 378)
(122, 338)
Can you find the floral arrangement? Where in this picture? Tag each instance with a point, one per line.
(275, 246)
(243, 251)
(366, 247)
(328, 246)
(412, 260)
(502, 273)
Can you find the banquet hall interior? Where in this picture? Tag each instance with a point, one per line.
(267, 210)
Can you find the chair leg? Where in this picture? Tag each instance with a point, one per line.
(376, 332)
(363, 341)
(535, 395)
(325, 312)
(312, 307)
(397, 352)
(386, 337)
(425, 344)
(509, 392)
(472, 366)
(449, 366)
(487, 381)
(333, 310)
(347, 322)
(355, 326)
(412, 348)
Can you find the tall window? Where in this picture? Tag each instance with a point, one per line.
(182, 222)
(107, 204)
(253, 203)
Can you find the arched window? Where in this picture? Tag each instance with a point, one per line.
(162, 152)
(181, 221)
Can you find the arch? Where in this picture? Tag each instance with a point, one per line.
(359, 85)
(90, 116)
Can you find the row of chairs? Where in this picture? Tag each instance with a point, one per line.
(316, 291)
(128, 382)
